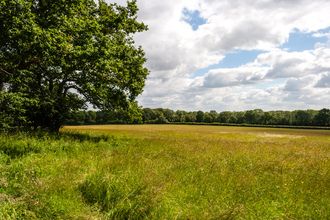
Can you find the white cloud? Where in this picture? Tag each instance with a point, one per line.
(174, 51)
(327, 44)
(279, 64)
(323, 81)
(297, 84)
(284, 64)
(322, 35)
(234, 76)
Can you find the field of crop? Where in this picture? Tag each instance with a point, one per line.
(166, 172)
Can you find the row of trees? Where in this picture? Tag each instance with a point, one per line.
(256, 116)
(163, 116)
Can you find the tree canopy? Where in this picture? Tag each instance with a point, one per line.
(56, 56)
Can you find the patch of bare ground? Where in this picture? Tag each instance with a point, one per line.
(268, 135)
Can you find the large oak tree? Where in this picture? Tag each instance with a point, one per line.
(58, 55)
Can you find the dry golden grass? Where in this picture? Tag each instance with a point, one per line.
(204, 128)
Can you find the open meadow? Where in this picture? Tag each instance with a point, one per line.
(166, 172)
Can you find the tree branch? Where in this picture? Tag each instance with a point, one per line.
(41, 67)
(71, 79)
(24, 65)
(69, 87)
(6, 72)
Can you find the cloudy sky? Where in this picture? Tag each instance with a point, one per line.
(236, 54)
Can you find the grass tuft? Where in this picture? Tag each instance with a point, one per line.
(114, 197)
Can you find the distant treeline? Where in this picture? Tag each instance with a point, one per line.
(165, 116)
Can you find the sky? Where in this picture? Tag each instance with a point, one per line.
(235, 55)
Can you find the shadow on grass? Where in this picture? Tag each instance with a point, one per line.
(18, 145)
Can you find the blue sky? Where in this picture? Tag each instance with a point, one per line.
(297, 42)
(232, 59)
(193, 18)
(236, 55)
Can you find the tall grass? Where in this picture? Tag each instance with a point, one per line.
(164, 174)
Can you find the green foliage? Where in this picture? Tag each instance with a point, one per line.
(303, 117)
(208, 118)
(200, 116)
(169, 114)
(224, 117)
(13, 107)
(233, 119)
(51, 51)
(266, 118)
(250, 117)
(323, 117)
(147, 114)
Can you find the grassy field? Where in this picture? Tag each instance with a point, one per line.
(166, 172)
